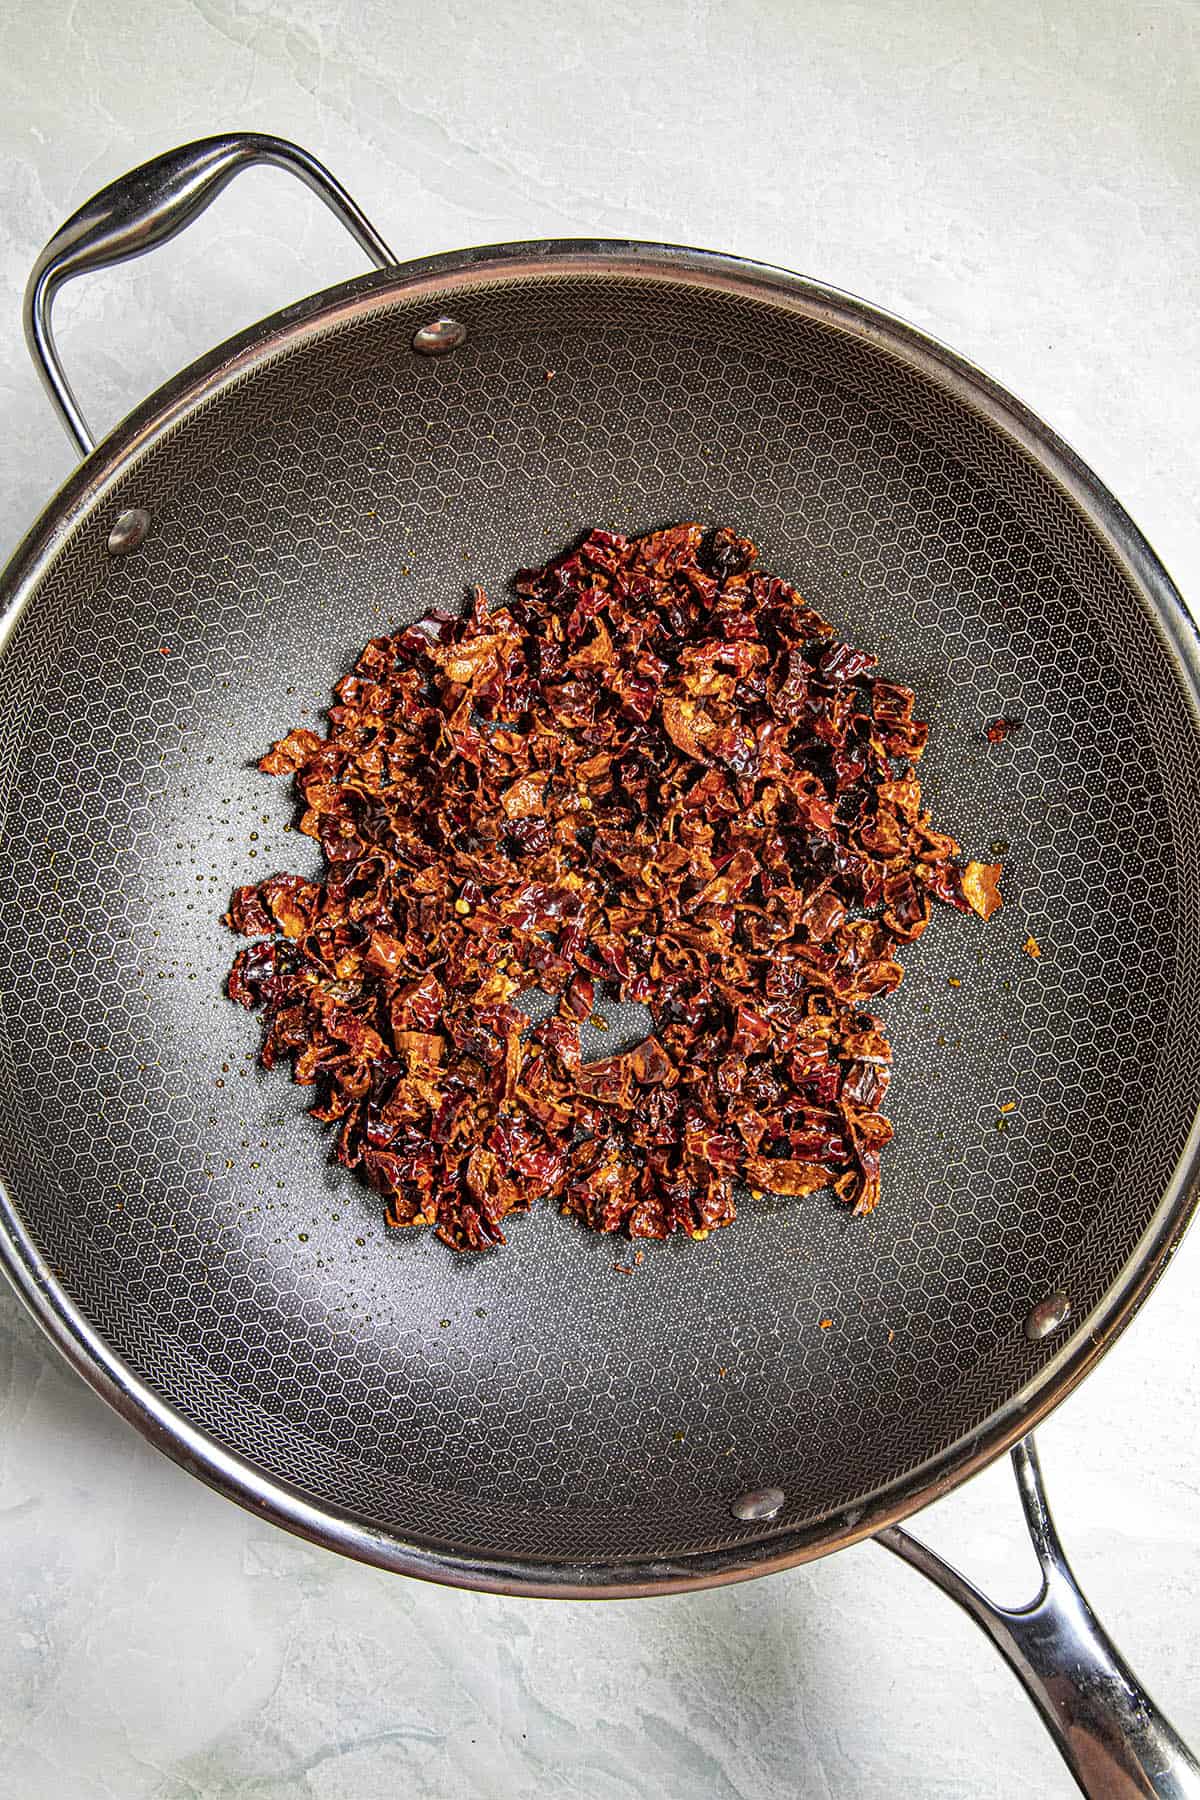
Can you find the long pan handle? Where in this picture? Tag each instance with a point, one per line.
(144, 209)
(1114, 1739)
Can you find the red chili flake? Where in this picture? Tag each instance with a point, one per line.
(981, 886)
(550, 374)
(163, 650)
(653, 774)
(825, 1324)
(998, 730)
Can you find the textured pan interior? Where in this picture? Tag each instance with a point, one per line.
(540, 1403)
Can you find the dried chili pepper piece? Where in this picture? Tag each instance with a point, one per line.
(657, 774)
(981, 887)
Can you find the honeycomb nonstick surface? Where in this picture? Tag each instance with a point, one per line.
(539, 1403)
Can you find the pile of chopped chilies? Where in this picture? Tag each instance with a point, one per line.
(653, 774)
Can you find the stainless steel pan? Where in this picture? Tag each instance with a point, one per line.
(535, 1421)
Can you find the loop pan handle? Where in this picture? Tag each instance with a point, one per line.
(146, 208)
(1113, 1738)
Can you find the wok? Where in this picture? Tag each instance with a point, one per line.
(534, 1421)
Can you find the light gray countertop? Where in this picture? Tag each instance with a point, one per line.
(1020, 179)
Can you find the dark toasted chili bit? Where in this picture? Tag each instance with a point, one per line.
(998, 729)
(654, 771)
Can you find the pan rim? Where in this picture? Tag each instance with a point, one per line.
(248, 354)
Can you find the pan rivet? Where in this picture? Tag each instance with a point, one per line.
(439, 336)
(129, 530)
(1046, 1317)
(759, 1503)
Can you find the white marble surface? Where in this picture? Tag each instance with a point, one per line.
(1024, 181)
